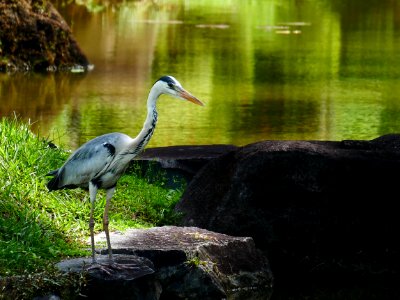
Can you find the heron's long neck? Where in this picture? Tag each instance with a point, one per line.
(149, 124)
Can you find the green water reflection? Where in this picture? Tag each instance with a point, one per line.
(266, 69)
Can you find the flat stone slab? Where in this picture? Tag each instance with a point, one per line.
(185, 159)
(166, 238)
(184, 242)
(186, 152)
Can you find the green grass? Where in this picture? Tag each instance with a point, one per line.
(38, 228)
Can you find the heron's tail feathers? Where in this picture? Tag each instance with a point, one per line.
(53, 183)
(52, 173)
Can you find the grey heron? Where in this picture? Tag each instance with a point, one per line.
(100, 162)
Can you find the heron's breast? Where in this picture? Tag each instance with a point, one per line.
(108, 179)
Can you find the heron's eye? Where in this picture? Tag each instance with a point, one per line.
(171, 85)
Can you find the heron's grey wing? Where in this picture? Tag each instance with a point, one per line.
(83, 165)
(89, 161)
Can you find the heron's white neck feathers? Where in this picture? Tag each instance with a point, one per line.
(141, 140)
(154, 93)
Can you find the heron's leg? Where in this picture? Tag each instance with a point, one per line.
(109, 194)
(92, 192)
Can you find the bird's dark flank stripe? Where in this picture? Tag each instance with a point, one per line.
(110, 148)
(97, 182)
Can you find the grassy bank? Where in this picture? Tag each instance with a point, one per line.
(38, 228)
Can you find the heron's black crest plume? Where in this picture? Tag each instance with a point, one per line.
(167, 79)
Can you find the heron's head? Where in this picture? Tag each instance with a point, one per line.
(169, 85)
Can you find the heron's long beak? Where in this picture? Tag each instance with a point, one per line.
(188, 96)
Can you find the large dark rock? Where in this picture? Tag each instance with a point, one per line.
(316, 208)
(34, 36)
(188, 263)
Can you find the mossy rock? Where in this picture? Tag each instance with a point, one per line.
(34, 36)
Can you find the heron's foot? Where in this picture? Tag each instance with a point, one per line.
(112, 270)
(95, 266)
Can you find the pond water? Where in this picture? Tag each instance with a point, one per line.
(266, 70)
